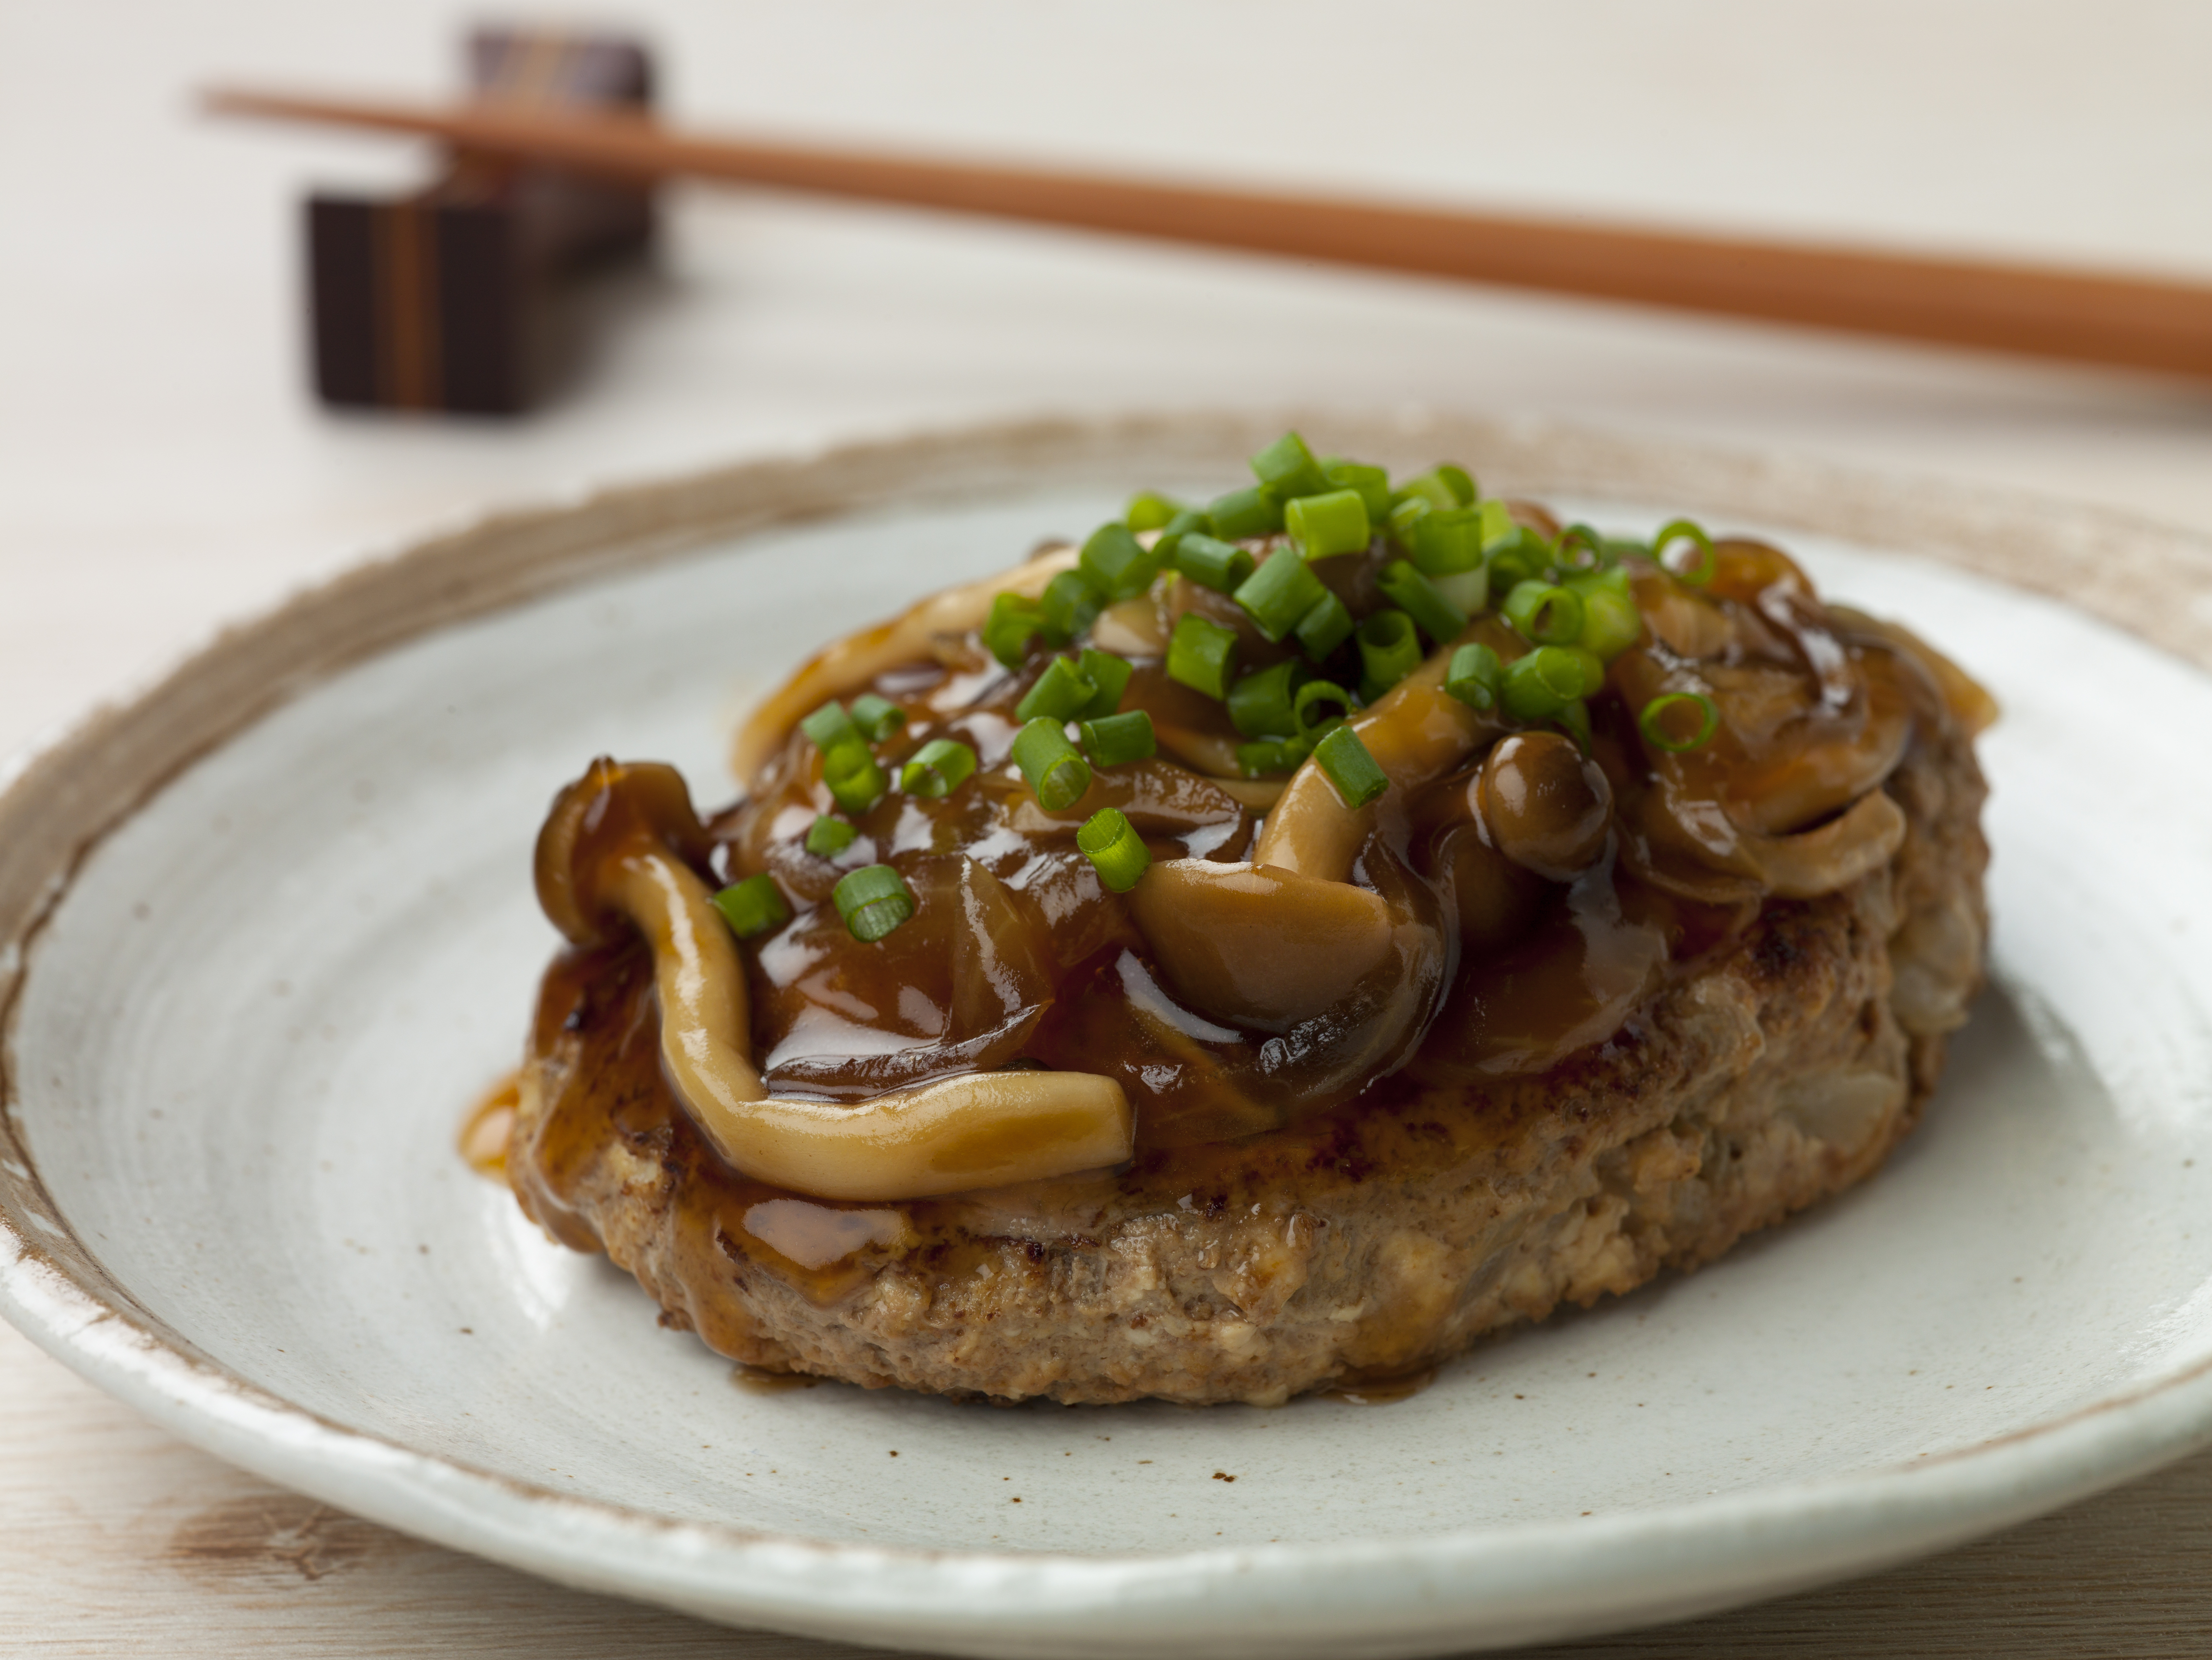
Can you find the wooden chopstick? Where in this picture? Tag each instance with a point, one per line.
(2081, 316)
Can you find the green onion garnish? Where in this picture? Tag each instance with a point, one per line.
(1149, 510)
(1259, 705)
(1055, 767)
(1518, 556)
(854, 780)
(939, 767)
(1415, 595)
(1599, 552)
(873, 901)
(1188, 521)
(1013, 622)
(1545, 615)
(1575, 721)
(1459, 481)
(1111, 843)
(1350, 769)
(1389, 651)
(1214, 564)
(1538, 686)
(1678, 721)
(1611, 622)
(877, 718)
(1329, 524)
(1112, 740)
(1324, 627)
(1405, 516)
(1697, 573)
(1315, 694)
(1062, 692)
(1111, 674)
(827, 837)
(1447, 541)
(1430, 487)
(1199, 654)
(1117, 565)
(1280, 592)
(1270, 754)
(753, 906)
(1070, 604)
(1242, 515)
(1473, 677)
(1287, 468)
(1373, 485)
(830, 727)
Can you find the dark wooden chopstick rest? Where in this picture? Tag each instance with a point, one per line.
(444, 298)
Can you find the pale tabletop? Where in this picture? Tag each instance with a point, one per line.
(162, 470)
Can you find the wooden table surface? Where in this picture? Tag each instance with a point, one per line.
(162, 469)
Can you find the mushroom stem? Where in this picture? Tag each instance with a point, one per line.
(846, 666)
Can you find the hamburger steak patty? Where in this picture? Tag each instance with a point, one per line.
(1374, 1239)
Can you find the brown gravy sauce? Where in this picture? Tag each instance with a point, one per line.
(485, 1131)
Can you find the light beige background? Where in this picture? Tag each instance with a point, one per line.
(162, 469)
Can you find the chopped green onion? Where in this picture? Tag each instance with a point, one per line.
(753, 906)
(1351, 770)
(1373, 485)
(1593, 667)
(854, 780)
(1055, 767)
(939, 767)
(1116, 563)
(1611, 622)
(1596, 546)
(1389, 651)
(1111, 843)
(829, 726)
(1189, 521)
(1430, 487)
(1468, 590)
(1213, 564)
(1676, 530)
(1307, 728)
(1062, 692)
(873, 900)
(1287, 468)
(1270, 754)
(1329, 524)
(1538, 686)
(1547, 616)
(1665, 716)
(1459, 481)
(1149, 510)
(1280, 592)
(1405, 516)
(1415, 595)
(1520, 555)
(1201, 652)
(1575, 721)
(1473, 677)
(1496, 520)
(827, 837)
(1259, 705)
(1071, 605)
(1111, 674)
(1324, 627)
(1242, 515)
(877, 718)
(1447, 541)
(1112, 741)
(1013, 622)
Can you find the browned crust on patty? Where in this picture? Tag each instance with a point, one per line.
(1369, 1240)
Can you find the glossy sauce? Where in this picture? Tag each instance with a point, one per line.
(1017, 956)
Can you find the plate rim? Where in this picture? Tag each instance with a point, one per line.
(66, 792)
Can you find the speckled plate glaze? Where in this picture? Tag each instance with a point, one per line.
(266, 930)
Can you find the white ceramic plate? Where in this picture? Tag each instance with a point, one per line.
(269, 930)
